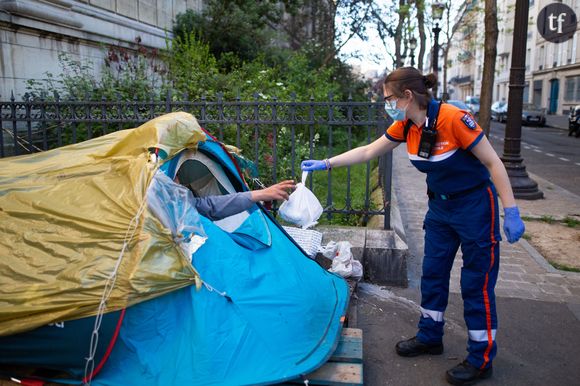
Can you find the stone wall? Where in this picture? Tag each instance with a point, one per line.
(34, 32)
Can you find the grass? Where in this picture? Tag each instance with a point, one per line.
(526, 236)
(568, 221)
(564, 267)
(571, 222)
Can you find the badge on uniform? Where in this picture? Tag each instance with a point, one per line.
(469, 122)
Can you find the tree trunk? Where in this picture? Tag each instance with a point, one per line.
(445, 95)
(422, 36)
(490, 53)
(399, 34)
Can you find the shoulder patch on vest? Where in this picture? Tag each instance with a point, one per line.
(469, 122)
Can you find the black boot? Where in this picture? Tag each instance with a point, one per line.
(412, 347)
(467, 374)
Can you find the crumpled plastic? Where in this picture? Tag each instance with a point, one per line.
(343, 262)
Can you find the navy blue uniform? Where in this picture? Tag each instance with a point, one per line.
(463, 211)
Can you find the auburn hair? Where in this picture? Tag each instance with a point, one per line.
(409, 78)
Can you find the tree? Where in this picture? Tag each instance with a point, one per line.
(241, 27)
(420, 7)
(490, 53)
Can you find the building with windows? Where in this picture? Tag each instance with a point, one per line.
(552, 74)
(34, 32)
(553, 70)
(464, 59)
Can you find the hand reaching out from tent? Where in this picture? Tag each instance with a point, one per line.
(279, 191)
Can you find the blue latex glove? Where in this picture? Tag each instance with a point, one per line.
(513, 226)
(313, 164)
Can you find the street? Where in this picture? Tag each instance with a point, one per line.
(547, 152)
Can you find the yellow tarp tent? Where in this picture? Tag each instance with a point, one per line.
(69, 214)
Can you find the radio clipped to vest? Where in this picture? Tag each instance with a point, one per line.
(429, 131)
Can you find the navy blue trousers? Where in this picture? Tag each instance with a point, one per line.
(472, 222)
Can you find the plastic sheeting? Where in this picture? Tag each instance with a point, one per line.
(269, 315)
(66, 215)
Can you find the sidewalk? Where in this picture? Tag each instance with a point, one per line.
(538, 307)
(557, 121)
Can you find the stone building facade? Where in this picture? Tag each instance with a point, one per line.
(34, 32)
(552, 75)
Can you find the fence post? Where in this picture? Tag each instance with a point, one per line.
(387, 172)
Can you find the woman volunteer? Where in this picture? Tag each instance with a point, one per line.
(447, 144)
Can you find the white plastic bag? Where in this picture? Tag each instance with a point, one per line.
(302, 207)
(343, 263)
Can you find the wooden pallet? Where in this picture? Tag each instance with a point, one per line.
(344, 367)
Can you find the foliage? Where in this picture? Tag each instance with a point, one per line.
(234, 26)
(226, 56)
(126, 74)
(571, 222)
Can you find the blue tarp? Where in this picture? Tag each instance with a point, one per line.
(265, 316)
(265, 313)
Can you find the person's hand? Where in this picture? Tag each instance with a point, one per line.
(277, 191)
(513, 226)
(313, 164)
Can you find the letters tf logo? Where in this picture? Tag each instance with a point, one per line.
(561, 17)
(557, 22)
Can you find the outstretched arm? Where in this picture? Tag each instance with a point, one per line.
(279, 191)
(357, 155)
(218, 207)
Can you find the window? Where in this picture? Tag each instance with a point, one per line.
(541, 58)
(577, 88)
(528, 56)
(574, 42)
(569, 88)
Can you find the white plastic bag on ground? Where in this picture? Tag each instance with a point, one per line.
(343, 263)
(302, 207)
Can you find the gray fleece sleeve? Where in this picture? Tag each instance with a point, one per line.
(218, 207)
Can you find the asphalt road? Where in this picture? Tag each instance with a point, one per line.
(547, 152)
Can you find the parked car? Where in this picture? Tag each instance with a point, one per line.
(473, 103)
(574, 121)
(499, 111)
(533, 115)
(461, 105)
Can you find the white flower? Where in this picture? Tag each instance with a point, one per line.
(279, 84)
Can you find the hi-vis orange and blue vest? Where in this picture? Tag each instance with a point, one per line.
(452, 167)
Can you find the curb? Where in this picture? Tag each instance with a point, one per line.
(541, 260)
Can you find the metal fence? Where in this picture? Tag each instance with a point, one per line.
(275, 135)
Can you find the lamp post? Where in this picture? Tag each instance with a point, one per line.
(523, 186)
(412, 47)
(437, 10)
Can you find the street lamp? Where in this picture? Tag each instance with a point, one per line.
(437, 10)
(412, 47)
(523, 186)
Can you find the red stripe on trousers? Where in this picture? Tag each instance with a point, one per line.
(485, 293)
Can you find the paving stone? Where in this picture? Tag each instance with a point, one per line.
(575, 291)
(511, 268)
(554, 289)
(510, 276)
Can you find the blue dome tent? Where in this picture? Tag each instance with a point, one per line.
(260, 311)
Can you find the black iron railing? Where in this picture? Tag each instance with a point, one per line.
(275, 135)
